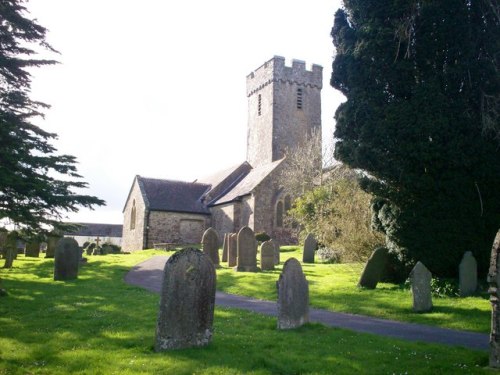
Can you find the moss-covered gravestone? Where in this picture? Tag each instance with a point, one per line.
(374, 269)
(494, 291)
(310, 245)
(267, 256)
(210, 245)
(66, 259)
(293, 296)
(187, 301)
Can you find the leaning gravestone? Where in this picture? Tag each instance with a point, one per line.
(210, 245)
(467, 275)
(66, 259)
(293, 296)
(420, 279)
(33, 249)
(247, 251)
(310, 246)
(267, 256)
(232, 250)
(187, 300)
(225, 244)
(276, 251)
(494, 291)
(373, 269)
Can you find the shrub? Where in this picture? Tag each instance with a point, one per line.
(329, 255)
(262, 237)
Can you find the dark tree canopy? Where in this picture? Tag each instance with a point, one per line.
(421, 118)
(37, 186)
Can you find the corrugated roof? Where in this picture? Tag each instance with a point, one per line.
(249, 182)
(177, 196)
(95, 229)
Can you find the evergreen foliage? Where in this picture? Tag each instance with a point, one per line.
(421, 119)
(30, 192)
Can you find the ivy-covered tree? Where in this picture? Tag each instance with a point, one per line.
(421, 119)
(37, 186)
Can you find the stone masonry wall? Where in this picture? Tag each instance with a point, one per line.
(133, 236)
(173, 227)
(223, 218)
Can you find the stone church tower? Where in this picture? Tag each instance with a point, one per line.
(284, 108)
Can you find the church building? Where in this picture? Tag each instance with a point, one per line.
(284, 108)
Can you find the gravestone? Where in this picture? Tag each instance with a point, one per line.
(267, 256)
(374, 268)
(420, 279)
(187, 301)
(276, 247)
(52, 241)
(10, 249)
(247, 251)
(232, 250)
(210, 245)
(310, 246)
(293, 296)
(66, 259)
(33, 249)
(225, 244)
(494, 291)
(467, 275)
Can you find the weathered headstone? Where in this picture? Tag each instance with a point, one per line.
(52, 241)
(310, 246)
(467, 275)
(187, 300)
(232, 250)
(494, 291)
(420, 279)
(33, 249)
(293, 296)
(210, 245)
(247, 251)
(225, 244)
(276, 247)
(374, 268)
(66, 259)
(10, 246)
(267, 256)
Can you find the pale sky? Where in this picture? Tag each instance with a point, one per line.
(157, 88)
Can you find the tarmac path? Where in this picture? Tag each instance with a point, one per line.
(149, 273)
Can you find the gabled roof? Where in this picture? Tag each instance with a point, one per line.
(95, 229)
(176, 196)
(248, 183)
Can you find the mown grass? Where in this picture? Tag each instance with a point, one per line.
(100, 325)
(334, 287)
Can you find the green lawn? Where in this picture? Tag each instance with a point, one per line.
(334, 287)
(99, 325)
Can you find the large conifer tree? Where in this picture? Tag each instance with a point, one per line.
(421, 118)
(36, 185)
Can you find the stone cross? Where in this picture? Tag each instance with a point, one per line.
(187, 301)
(374, 268)
(310, 246)
(293, 296)
(232, 250)
(66, 259)
(494, 291)
(247, 251)
(210, 245)
(267, 256)
(97, 241)
(467, 275)
(420, 278)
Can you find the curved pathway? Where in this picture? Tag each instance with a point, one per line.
(149, 273)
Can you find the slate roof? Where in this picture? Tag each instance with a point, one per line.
(249, 183)
(95, 229)
(175, 196)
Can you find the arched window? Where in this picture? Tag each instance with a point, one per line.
(279, 214)
(133, 214)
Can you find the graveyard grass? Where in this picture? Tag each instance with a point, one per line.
(97, 324)
(334, 287)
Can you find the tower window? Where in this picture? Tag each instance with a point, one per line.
(259, 105)
(299, 98)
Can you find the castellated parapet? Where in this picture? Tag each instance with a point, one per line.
(284, 108)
